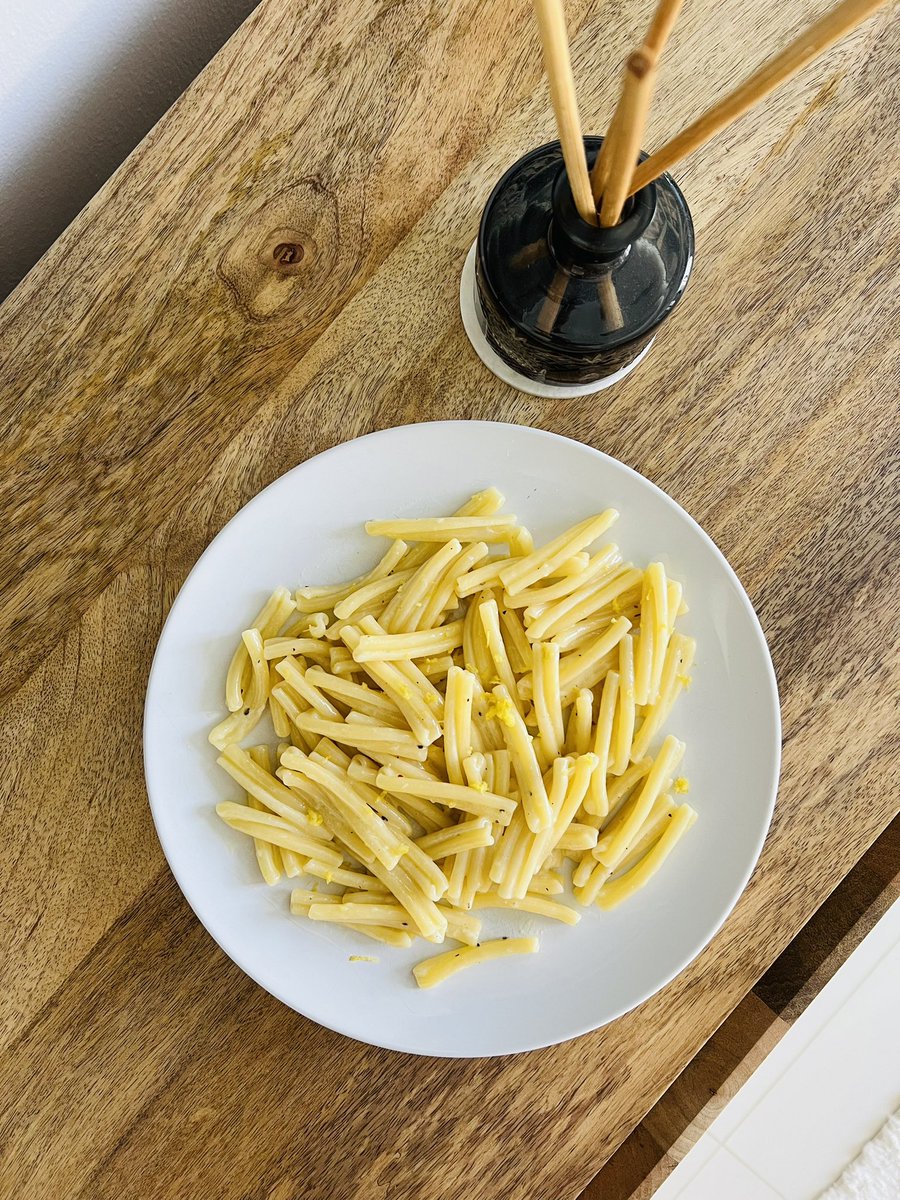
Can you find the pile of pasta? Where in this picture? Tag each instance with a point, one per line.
(460, 728)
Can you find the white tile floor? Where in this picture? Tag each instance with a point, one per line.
(823, 1092)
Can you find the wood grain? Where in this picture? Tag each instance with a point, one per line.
(159, 371)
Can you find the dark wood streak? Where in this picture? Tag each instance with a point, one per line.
(123, 315)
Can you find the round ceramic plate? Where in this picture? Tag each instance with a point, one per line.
(306, 528)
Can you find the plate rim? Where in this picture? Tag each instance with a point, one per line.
(772, 698)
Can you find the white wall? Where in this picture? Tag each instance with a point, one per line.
(81, 82)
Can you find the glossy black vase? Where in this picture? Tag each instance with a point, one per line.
(558, 306)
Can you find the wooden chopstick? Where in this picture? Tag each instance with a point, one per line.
(558, 65)
(631, 117)
(603, 164)
(822, 34)
(661, 26)
(654, 42)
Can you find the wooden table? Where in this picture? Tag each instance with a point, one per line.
(167, 359)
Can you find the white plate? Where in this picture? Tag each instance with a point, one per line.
(306, 528)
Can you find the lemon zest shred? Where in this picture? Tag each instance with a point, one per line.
(501, 709)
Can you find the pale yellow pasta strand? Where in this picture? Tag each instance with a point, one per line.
(548, 621)
(679, 658)
(542, 853)
(482, 504)
(268, 827)
(535, 847)
(663, 768)
(537, 905)
(543, 562)
(473, 769)
(617, 890)
(376, 591)
(582, 874)
(597, 801)
(404, 609)
(462, 926)
(387, 846)
(376, 800)
(496, 528)
(444, 592)
(532, 793)
(433, 699)
(302, 898)
(578, 838)
(281, 647)
(436, 668)
(578, 734)
(271, 792)
(575, 573)
(476, 654)
(467, 835)
(280, 721)
(310, 599)
(623, 721)
(643, 652)
(675, 605)
(344, 877)
(580, 635)
(328, 751)
(235, 727)
(292, 705)
(428, 918)
(488, 614)
(389, 915)
(660, 813)
(335, 631)
(584, 668)
(268, 857)
(451, 795)
(334, 819)
(547, 705)
(457, 722)
(380, 933)
(547, 883)
(620, 788)
(659, 595)
(257, 693)
(356, 695)
(293, 672)
(481, 770)
(487, 728)
(268, 621)
(485, 576)
(520, 542)
(361, 736)
(392, 647)
(433, 971)
(311, 625)
(518, 647)
(404, 693)
(508, 847)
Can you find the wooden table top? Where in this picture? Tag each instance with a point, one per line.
(159, 368)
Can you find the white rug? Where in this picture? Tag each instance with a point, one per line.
(875, 1172)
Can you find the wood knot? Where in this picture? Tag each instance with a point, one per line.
(290, 259)
(288, 256)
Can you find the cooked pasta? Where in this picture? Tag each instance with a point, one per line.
(458, 727)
